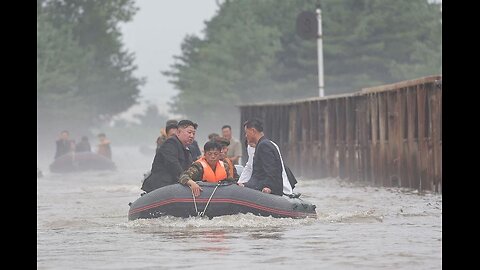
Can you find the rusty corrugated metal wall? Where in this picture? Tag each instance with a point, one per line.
(389, 135)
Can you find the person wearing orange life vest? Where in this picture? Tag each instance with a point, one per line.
(208, 168)
(224, 142)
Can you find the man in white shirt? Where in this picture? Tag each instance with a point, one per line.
(247, 170)
(268, 173)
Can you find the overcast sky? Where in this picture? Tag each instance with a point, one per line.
(155, 35)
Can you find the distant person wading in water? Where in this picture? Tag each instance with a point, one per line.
(64, 144)
(104, 146)
(83, 145)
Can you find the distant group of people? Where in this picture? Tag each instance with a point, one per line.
(178, 159)
(65, 145)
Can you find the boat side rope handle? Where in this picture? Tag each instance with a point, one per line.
(203, 213)
(195, 203)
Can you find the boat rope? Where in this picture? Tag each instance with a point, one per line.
(203, 213)
(195, 203)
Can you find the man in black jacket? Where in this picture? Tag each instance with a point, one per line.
(268, 165)
(64, 145)
(172, 158)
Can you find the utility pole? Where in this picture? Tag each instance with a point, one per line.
(309, 26)
(320, 52)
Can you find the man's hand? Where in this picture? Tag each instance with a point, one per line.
(266, 190)
(196, 189)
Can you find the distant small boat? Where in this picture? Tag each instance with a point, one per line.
(82, 161)
(217, 199)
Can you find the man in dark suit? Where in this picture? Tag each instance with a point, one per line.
(172, 158)
(64, 145)
(268, 172)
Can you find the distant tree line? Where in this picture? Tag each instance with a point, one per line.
(84, 75)
(251, 53)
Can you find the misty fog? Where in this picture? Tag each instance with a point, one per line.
(369, 158)
(107, 87)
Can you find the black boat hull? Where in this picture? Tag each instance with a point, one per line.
(228, 199)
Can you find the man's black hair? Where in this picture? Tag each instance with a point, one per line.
(222, 141)
(254, 123)
(212, 136)
(212, 145)
(227, 126)
(171, 122)
(167, 129)
(187, 123)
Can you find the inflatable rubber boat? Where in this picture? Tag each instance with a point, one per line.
(217, 199)
(82, 161)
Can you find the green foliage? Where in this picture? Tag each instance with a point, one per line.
(251, 53)
(373, 42)
(84, 76)
(211, 71)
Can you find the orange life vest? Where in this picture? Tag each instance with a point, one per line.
(209, 175)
